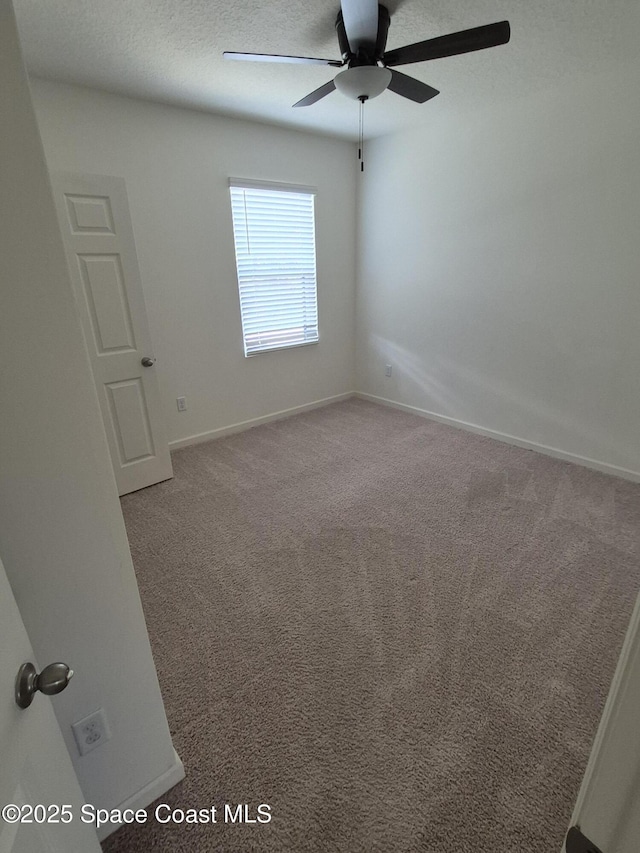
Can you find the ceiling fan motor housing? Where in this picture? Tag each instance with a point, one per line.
(364, 54)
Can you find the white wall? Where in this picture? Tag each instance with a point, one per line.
(62, 537)
(498, 267)
(176, 164)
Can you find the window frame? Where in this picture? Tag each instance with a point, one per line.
(278, 187)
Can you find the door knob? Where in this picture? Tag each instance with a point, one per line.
(53, 679)
(147, 362)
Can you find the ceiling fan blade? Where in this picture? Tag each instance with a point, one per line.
(316, 95)
(360, 22)
(465, 41)
(411, 88)
(274, 57)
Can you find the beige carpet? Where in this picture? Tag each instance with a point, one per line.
(398, 635)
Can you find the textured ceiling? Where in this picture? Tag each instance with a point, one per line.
(171, 51)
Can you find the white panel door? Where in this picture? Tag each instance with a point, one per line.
(35, 768)
(607, 810)
(98, 237)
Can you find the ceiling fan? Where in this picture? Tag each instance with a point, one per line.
(362, 27)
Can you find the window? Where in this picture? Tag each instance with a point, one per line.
(274, 233)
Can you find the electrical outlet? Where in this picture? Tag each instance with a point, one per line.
(182, 404)
(92, 731)
(387, 370)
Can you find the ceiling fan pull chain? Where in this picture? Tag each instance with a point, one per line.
(362, 136)
(362, 99)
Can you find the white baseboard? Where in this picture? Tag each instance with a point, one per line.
(604, 467)
(595, 464)
(243, 425)
(145, 796)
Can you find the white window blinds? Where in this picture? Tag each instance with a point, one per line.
(274, 232)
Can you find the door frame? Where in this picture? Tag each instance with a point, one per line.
(612, 765)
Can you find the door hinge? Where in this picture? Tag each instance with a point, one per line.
(576, 842)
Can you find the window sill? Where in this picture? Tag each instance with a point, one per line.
(280, 348)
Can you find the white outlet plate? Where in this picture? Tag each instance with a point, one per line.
(182, 404)
(91, 731)
(387, 370)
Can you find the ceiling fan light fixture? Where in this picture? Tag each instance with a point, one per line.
(363, 81)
